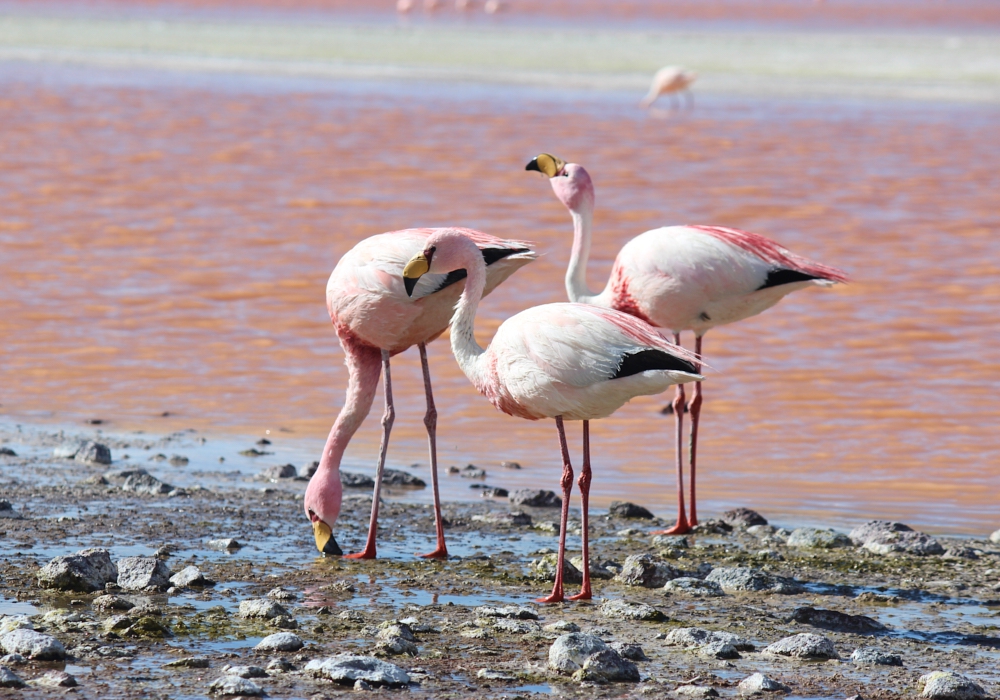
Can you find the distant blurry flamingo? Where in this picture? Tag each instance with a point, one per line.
(491, 7)
(404, 5)
(376, 318)
(681, 278)
(670, 80)
(562, 361)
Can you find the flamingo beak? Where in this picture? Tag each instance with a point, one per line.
(414, 270)
(324, 539)
(546, 163)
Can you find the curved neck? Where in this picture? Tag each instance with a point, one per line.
(467, 351)
(576, 273)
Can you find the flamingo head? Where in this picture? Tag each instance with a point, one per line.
(444, 251)
(571, 182)
(322, 505)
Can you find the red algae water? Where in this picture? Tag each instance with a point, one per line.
(166, 242)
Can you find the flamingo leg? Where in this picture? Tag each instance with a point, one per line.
(387, 419)
(682, 526)
(430, 421)
(695, 409)
(584, 482)
(567, 484)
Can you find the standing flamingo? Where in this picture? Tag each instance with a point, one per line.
(681, 278)
(376, 318)
(562, 361)
(670, 80)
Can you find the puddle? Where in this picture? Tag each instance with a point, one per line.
(9, 606)
(543, 688)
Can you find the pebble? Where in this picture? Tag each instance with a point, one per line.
(279, 471)
(694, 587)
(488, 674)
(516, 612)
(260, 608)
(179, 461)
(279, 666)
(87, 570)
(536, 498)
(623, 610)
(245, 671)
(113, 602)
(803, 646)
(945, 685)
(568, 652)
(352, 668)
(743, 517)
(7, 510)
(471, 471)
(33, 645)
(643, 570)
(190, 662)
(55, 679)
(190, 577)
(225, 544)
(279, 641)
(815, 538)
(738, 579)
(759, 683)
(630, 532)
(510, 465)
(719, 650)
(93, 453)
(838, 621)
(544, 568)
(696, 691)
(140, 573)
(280, 593)
(147, 484)
(494, 492)
(597, 570)
(995, 537)
(503, 518)
(562, 627)
(885, 537)
(873, 656)
(624, 509)
(671, 542)
(712, 527)
(696, 636)
(397, 477)
(234, 685)
(9, 679)
(354, 480)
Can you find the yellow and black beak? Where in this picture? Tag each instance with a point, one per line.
(546, 163)
(415, 269)
(324, 539)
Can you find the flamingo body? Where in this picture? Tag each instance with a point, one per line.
(669, 80)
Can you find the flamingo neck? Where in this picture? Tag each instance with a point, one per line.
(576, 273)
(467, 351)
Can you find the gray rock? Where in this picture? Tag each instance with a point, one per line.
(696, 691)
(544, 568)
(606, 666)
(190, 577)
(234, 685)
(353, 480)
(7, 511)
(113, 602)
(995, 537)
(7, 452)
(10, 623)
(396, 638)
(55, 679)
(630, 651)
(279, 641)
(87, 570)
(884, 537)
(510, 465)
(945, 685)
(536, 498)
(9, 679)
(761, 531)
(643, 570)
(741, 579)
(309, 468)
(493, 492)
(803, 646)
(279, 471)
(260, 608)
(838, 621)
(346, 669)
(280, 593)
(285, 622)
(67, 450)
(93, 453)
(33, 645)
(624, 509)
(279, 666)
(488, 674)
(471, 471)
(874, 529)
(759, 683)
(516, 612)
(743, 517)
(694, 587)
(225, 544)
(570, 651)
(499, 517)
(596, 570)
(147, 484)
(562, 627)
(139, 573)
(245, 671)
(671, 542)
(178, 461)
(515, 626)
(12, 660)
(622, 610)
(873, 656)
(814, 538)
(960, 553)
(719, 650)
(190, 662)
(397, 477)
(696, 637)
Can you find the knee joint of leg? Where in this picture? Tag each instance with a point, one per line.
(695, 404)
(567, 480)
(431, 417)
(388, 417)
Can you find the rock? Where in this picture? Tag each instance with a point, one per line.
(624, 509)
(759, 683)
(489, 674)
(67, 450)
(147, 627)
(279, 641)
(494, 492)
(397, 477)
(285, 622)
(694, 587)
(630, 651)
(960, 553)
(995, 537)
(309, 468)
(7, 510)
(87, 570)
(178, 461)
(741, 579)
(719, 650)
(9, 679)
(510, 465)
(622, 610)
(33, 645)
(7, 452)
(279, 666)
(596, 570)
(147, 484)
(838, 621)
(884, 537)
(814, 538)
(515, 626)
(245, 671)
(354, 480)
(253, 452)
(225, 544)
(606, 666)
(12, 660)
(743, 517)
(696, 691)
(190, 577)
(471, 471)
(544, 568)
(346, 669)
(671, 542)
(696, 637)
(55, 679)
(279, 471)
(945, 685)
(873, 656)
(113, 602)
(189, 662)
(396, 638)
(644, 570)
(562, 627)
(280, 593)
(761, 531)
(803, 646)
(15, 622)
(93, 453)
(536, 498)
(234, 685)
(504, 518)
(515, 612)
(877, 598)
(260, 608)
(712, 527)
(570, 651)
(139, 573)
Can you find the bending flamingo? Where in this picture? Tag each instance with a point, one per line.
(376, 318)
(562, 361)
(681, 278)
(670, 80)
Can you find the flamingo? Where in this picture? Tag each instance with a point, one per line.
(561, 361)
(670, 80)
(681, 278)
(375, 318)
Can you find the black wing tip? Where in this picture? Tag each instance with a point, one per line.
(652, 358)
(782, 276)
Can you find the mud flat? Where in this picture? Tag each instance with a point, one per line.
(706, 611)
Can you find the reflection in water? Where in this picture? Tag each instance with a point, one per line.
(166, 249)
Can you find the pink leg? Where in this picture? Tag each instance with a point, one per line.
(682, 526)
(430, 421)
(387, 419)
(584, 482)
(567, 484)
(695, 409)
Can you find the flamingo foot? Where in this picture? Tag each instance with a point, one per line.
(552, 598)
(368, 553)
(585, 594)
(682, 527)
(440, 553)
